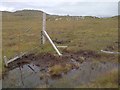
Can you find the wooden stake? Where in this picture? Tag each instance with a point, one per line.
(13, 59)
(44, 28)
(44, 34)
(5, 61)
(62, 46)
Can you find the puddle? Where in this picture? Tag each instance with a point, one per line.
(32, 70)
(32, 76)
(86, 73)
(21, 77)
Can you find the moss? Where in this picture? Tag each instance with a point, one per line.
(59, 69)
(68, 67)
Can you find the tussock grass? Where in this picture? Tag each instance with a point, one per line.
(59, 69)
(108, 80)
(86, 34)
(21, 33)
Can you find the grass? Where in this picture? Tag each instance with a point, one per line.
(108, 80)
(21, 32)
(59, 69)
(86, 34)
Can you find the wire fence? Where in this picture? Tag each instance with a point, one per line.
(25, 35)
(21, 41)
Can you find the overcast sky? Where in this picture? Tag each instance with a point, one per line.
(100, 8)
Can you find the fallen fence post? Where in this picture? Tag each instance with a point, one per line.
(62, 46)
(109, 52)
(13, 59)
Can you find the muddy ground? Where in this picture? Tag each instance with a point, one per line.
(46, 62)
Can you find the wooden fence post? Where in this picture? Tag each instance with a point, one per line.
(44, 28)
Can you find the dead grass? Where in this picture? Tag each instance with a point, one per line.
(59, 69)
(108, 80)
(86, 34)
(21, 33)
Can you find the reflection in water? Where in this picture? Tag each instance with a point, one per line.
(31, 68)
(21, 76)
(31, 76)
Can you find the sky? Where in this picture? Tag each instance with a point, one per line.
(100, 8)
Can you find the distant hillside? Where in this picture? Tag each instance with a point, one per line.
(38, 13)
(28, 12)
(23, 13)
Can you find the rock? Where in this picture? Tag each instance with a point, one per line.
(82, 58)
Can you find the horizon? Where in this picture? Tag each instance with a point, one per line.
(57, 14)
(72, 8)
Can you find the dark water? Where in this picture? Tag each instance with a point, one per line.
(31, 76)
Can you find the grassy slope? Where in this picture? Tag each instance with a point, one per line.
(84, 34)
(88, 33)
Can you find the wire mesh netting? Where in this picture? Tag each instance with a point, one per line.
(20, 33)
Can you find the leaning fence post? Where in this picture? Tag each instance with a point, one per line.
(50, 40)
(45, 35)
